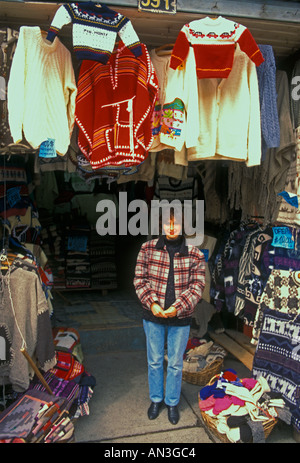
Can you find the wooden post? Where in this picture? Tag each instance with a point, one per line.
(36, 370)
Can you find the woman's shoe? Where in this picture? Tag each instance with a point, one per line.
(153, 410)
(173, 414)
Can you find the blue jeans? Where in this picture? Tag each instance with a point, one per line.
(177, 338)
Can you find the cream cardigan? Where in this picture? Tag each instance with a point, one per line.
(41, 91)
(226, 123)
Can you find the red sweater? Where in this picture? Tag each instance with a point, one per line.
(214, 42)
(114, 106)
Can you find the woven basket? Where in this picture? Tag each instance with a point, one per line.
(202, 377)
(211, 422)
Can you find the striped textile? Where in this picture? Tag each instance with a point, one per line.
(214, 41)
(281, 293)
(277, 358)
(95, 29)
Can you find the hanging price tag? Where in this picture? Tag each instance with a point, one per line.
(47, 149)
(205, 252)
(158, 6)
(282, 238)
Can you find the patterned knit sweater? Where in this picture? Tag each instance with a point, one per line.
(214, 42)
(282, 294)
(95, 28)
(24, 313)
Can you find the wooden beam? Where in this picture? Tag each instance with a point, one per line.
(234, 348)
(282, 32)
(275, 10)
(242, 340)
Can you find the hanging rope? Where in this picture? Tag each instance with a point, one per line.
(14, 313)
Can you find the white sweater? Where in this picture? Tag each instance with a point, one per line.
(180, 106)
(226, 124)
(41, 91)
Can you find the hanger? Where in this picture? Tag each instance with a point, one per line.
(214, 15)
(44, 34)
(164, 49)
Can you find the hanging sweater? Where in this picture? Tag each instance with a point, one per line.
(214, 41)
(41, 91)
(229, 116)
(8, 43)
(222, 119)
(95, 28)
(24, 312)
(114, 108)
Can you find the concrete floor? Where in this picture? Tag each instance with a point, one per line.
(114, 353)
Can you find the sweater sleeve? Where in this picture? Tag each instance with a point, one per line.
(60, 19)
(45, 350)
(70, 93)
(180, 49)
(146, 94)
(129, 38)
(16, 89)
(186, 302)
(254, 127)
(249, 46)
(85, 107)
(141, 282)
(191, 101)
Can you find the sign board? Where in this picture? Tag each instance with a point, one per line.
(158, 6)
(282, 238)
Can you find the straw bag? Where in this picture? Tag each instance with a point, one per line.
(202, 377)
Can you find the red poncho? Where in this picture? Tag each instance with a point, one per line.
(114, 106)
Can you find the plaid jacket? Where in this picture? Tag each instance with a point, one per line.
(151, 276)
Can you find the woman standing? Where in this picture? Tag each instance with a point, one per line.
(169, 281)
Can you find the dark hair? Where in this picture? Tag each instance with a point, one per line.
(174, 212)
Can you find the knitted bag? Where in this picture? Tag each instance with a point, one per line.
(67, 367)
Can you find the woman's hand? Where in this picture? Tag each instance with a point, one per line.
(171, 312)
(157, 310)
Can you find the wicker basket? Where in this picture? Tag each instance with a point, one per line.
(202, 377)
(211, 422)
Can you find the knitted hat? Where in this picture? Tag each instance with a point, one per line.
(245, 433)
(236, 421)
(230, 375)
